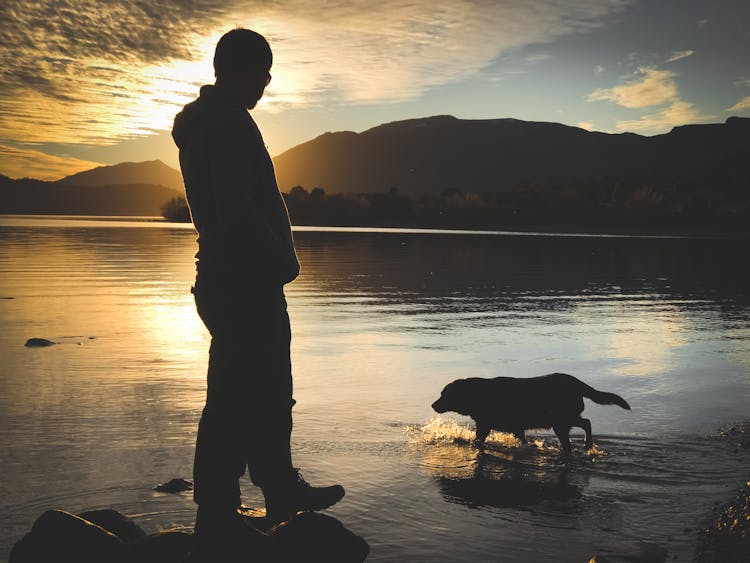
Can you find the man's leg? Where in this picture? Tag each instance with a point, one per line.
(219, 460)
(269, 457)
(219, 454)
(269, 416)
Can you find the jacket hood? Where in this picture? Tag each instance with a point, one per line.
(193, 115)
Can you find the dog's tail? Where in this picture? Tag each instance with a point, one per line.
(604, 398)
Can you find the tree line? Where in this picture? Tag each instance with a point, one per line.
(623, 203)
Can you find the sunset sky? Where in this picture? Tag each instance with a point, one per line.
(90, 82)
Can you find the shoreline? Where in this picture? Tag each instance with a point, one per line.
(510, 230)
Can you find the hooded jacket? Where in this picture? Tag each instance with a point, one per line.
(242, 222)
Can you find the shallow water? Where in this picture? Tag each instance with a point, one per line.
(381, 322)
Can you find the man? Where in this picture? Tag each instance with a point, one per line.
(245, 256)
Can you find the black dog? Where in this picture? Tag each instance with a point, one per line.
(510, 404)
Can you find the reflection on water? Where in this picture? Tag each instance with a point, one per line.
(381, 322)
(639, 496)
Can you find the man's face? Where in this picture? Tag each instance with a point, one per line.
(253, 84)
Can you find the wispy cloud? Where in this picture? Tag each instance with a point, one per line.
(85, 71)
(539, 57)
(652, 87)
(677, 113)
(649, 89)
(742, 105)
(678, 55)
(23, 163)
(588, 125)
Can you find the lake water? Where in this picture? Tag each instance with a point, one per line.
(381, 321)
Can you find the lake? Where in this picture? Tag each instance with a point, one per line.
(381, 321)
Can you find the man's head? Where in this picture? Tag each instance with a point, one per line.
(242, 63)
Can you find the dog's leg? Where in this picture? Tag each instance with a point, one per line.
(585, 424)
(482, 432)
(563, 434)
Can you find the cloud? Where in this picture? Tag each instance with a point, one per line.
(588, 125)
(742, 105)
(652, 88)
(539, 57)
(26, 163)
(677, 113)
(678, 55)
(91, 72)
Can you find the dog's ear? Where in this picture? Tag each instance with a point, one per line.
(461, 396)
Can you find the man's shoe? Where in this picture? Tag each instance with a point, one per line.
(285, 500)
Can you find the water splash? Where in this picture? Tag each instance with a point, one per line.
(439, 431)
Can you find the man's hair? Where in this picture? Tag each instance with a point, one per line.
(241, 50)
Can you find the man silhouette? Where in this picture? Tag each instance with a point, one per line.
(245, 256)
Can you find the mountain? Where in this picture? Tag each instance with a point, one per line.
(525, 166)
(129, 188)
(153, 172)
(35, 196)
(433, 154)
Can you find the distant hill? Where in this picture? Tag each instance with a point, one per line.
(434, 154)
(153, 172)
(130, 188)
(34, 196)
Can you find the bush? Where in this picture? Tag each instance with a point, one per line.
(176, 210)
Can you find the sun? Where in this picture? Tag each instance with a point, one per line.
(162, 90)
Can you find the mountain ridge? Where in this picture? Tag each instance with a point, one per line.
(153, 172)
(429, 155)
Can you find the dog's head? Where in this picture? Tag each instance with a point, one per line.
(458, 396)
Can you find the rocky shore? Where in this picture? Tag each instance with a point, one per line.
(107, 536)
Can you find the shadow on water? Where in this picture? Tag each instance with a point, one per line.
(514, 490)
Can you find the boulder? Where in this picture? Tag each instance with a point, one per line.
(112, 521)
(316, 537)
(170, 546)
(107, 536)
(61, 536)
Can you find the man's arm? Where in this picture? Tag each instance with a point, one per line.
(235, 176)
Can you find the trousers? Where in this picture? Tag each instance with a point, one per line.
(246, 423)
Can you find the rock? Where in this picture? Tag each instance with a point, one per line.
(38, 343)
(29, 549)
(728, 536)
(169, 546)
(317, 537)
(174, 486)
(60, 536)
(112, 521)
